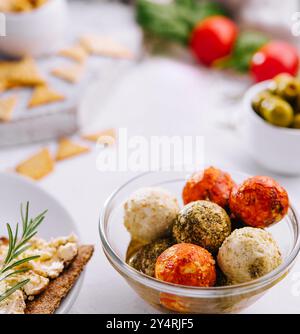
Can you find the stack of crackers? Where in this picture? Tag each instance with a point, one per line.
(25, 73)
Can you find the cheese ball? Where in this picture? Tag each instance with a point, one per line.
(259, 201)
(202, 223)
(248, 253)
(149, 213)
(186, 264)
(145, 258)
(212, 184)
(175, 303)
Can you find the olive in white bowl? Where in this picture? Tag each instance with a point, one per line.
(274, 147)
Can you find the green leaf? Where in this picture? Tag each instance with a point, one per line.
(176, 20)
(19, 271)
(10, 291)
(246, 45)
(19, 262)
(17, 247)
(10, 243)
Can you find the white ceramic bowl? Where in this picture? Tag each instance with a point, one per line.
(36, 33)
(273, 147)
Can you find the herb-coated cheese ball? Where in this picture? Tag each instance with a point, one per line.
(149, 213)
(212, 184)
(202, 223)
(259, 201)
(186, 264)
(248, 253)
(145, 258)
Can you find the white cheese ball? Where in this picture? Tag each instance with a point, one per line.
(149, 212)
(248, 253)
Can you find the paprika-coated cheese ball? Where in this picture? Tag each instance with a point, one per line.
(212, 184)
(174, 303)
(259, 201)
(186, 264)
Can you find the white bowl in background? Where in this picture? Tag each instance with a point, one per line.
(35, 33)
(275, 148)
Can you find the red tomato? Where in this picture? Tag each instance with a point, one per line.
(274, 58)
(213, 38)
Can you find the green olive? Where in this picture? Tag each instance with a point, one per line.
(277, 111)
(258, 100)
(285, 86)
(296, 122)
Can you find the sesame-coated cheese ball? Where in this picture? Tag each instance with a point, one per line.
(149, 213)
(259, 201)
(212, 184)
(186, 264)
(202, 223)
(248, 253)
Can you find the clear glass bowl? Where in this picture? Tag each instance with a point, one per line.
(174, 298)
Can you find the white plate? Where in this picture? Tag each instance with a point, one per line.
(15, 190)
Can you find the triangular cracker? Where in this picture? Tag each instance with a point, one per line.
(7, 106)
(37, 166)
(23, 73)
(104, 46)
(105, 137)
(44, 95)
(67, 149)
(71, 73)
(75, 52)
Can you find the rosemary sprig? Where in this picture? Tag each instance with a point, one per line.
(18, 246)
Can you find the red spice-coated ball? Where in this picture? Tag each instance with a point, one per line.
(212, 184)
(174, 303)
(259, 201)
(186, 264)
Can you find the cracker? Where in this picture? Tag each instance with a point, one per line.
(23, 73)
(104, 137)
(49, 300)
(67, 149)
(104, 46)
(7, 106)
(70, 73)
(44, 95)
(75, 52)
(37, 166)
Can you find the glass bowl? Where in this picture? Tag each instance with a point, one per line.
(175, 298)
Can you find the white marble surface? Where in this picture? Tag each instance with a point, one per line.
(156, 97)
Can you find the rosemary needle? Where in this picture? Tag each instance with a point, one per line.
(18, 246)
